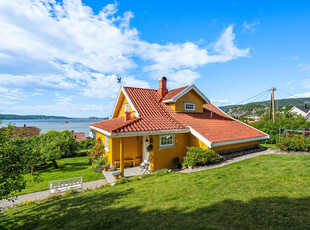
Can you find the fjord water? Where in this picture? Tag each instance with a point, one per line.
(78, 125)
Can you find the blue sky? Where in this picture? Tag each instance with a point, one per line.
(63, 58)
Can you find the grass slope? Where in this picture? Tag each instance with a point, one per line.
(267, 192)
(68, 168)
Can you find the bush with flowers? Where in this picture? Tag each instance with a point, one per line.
(97, 157)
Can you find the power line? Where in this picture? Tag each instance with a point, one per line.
(285, 92)
(258, 95)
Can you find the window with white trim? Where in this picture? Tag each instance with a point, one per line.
(106, 144)
(126, 107)
(166, 141)
(189, 106)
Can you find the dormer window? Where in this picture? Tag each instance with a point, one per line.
(189, 106)
(126, 107)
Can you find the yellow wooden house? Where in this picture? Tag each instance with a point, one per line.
(161, 124)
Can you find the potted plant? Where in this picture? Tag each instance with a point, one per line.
(116, 175)
(105, 168)
(112, 168)
(176, 162)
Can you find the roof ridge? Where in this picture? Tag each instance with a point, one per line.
(179, 88)
(139, 88)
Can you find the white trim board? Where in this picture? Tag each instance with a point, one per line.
(152, 132)
(100, 131)
(200, 137)
(185, 91)
(239, 141)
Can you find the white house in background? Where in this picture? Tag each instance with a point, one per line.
(301, 110)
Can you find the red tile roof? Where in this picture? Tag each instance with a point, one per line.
(26, 131)
(155, 115)
(172, 93)
(79, 136)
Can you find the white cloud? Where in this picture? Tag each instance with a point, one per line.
(172, 58)
(12, 94)
(103, 86)
(301, 95)
(220, 102)
(65, 46)
(290, 82)
(306, 84)
(250, 27)
(303, 67)
(295, 58)
(182, 78)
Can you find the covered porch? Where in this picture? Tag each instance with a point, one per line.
(129, 151)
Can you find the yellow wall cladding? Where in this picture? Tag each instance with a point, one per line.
(191, 97)
(194, 141)
(120, 107)
(161, 158)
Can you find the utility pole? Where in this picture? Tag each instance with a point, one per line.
(273, 106)
(270, 112)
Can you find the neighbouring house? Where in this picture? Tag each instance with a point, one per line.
(161, 124)
(26, 131)
(80, 136)
(301, 110)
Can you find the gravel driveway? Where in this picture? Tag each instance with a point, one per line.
(4, 204)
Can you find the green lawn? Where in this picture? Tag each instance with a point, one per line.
(266, 192)
(68, 168)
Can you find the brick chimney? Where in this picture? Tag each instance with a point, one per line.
(127, 116)
(162, 91)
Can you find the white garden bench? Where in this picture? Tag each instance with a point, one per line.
(66, 185)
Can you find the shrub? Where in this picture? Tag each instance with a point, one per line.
(283, 120)
(97, 155)
(294, 143)
(87, 144)
(199, 156)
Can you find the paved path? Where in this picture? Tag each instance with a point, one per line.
(237, 159)
(4, 204)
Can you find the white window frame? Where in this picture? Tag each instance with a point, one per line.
(172, 145)
(188, 103)
(106, 143)
(126, 107)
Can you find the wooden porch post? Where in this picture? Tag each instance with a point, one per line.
(122, 156)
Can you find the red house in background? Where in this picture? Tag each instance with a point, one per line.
(26, 131)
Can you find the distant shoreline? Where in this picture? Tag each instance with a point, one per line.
(41, 117)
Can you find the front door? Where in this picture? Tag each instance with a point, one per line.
(145, 144)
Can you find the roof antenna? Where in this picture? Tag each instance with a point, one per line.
(119, 81)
